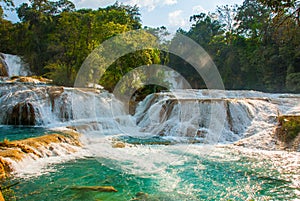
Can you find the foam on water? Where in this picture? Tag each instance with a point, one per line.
(191, 172)
(180, 117)
(33, 166)
(202, 113)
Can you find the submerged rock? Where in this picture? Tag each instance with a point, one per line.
(95, 188)
(141, 196)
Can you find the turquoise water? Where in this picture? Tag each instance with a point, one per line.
(227, 181)
(223, 174)
(22, 132)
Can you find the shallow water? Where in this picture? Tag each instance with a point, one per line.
(193, 172)
(22, 132)
(161, 159)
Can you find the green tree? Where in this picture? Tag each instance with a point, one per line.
(289, 8)
(5, 27)
(6, 4)
(38, 19)
(204, 29)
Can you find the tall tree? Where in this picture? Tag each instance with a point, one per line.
(38, 18)
(281, 7)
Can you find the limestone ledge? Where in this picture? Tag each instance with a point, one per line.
(37, 147)
(29, 79)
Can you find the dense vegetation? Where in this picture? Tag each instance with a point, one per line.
(255, 45)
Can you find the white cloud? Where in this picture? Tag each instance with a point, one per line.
(169, 2)
(199, 9)
(176, 19)
(151, 4)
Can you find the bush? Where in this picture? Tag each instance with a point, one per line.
(289, 128)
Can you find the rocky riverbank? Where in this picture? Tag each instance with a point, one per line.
(45, 146)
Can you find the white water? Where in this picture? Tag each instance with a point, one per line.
(200, 113)
(15, 65)
(179, 116)
(211, 116)
(58, 106)
(33, 166)
(247, 113)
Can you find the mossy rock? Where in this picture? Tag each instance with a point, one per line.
(289, 127)
(288, 131)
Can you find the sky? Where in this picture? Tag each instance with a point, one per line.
(156, 13)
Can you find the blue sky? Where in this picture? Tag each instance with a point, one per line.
(155, 13)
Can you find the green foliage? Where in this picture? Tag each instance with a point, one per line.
(255, 45)
(55, 39)
(61, 74)
(5, 4)
(252, 45)
(6, 27)
(289, 127)
(293, 82)
(127, 63)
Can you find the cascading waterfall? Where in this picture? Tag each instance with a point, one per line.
(15, 65)
(179, 118)
(211, 116)
(27, 104)
(234, 114)
(189, 113)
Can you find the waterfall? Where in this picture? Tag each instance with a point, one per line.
(30, 104)
(213, 116)
(15, 66)
(179, 117)
(208, 116)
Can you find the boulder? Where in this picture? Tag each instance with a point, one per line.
(287, 132)
(55, 92)
(118, 145)
(3, 67)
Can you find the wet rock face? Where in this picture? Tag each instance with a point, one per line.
(22, 114)
(61, 144)
(3, 67)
